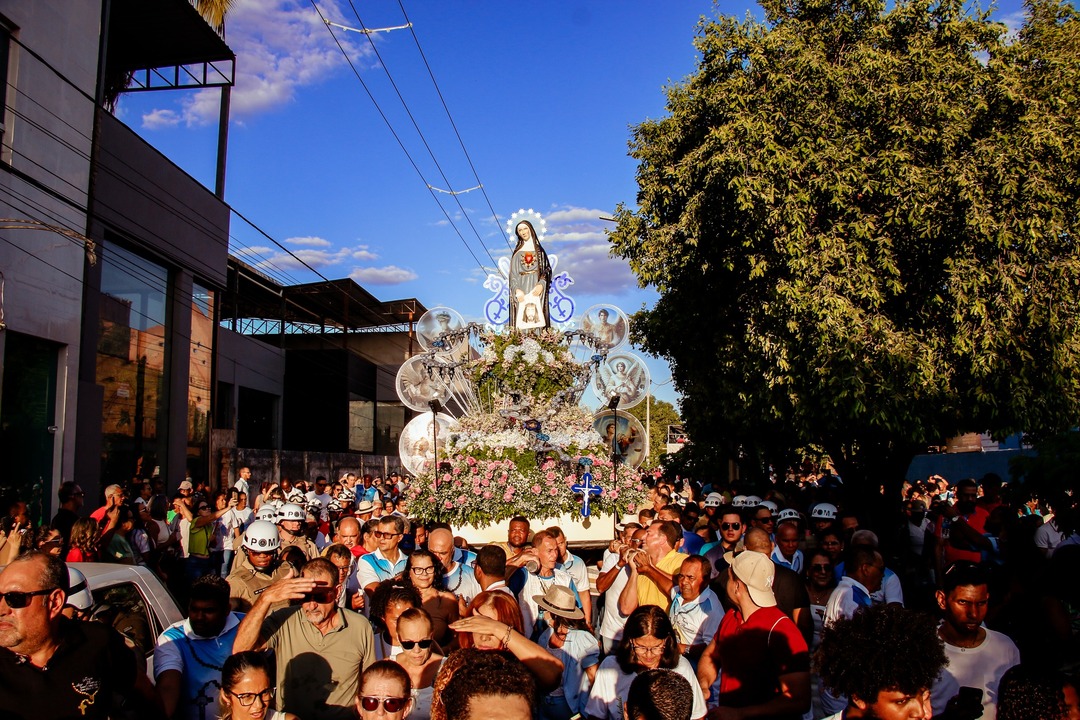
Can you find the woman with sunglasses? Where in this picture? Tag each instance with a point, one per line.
(427, 574)
(419, 658)
(385, 692)
(389, 601)
(648, 643)
(247, 691)
(820, 583)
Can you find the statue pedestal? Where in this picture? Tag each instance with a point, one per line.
(594, 531)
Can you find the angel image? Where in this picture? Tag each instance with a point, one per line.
(620, 379)
(608, 334)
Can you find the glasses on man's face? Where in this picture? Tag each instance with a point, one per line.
(423, 570)
(821, 567)
(379, 534)
(248, 699)
(321, 596)
(410, 644)
(765, 519)
(637, 541)
(731, 526)
(390, 704)
(17, 600)
(654, 650)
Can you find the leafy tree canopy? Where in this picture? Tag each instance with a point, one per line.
(862, 222)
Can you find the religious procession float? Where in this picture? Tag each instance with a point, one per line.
(503, 428)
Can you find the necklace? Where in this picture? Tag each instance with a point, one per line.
(460, 572)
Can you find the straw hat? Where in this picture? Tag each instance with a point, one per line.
(559, 600)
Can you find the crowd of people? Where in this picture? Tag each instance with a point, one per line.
(327, 602)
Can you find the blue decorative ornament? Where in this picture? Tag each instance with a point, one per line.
(543, 437)
(560, 305)
(587, 490)
(497, 309)
(584, 461)
(532, 425)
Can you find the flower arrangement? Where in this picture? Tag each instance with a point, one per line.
(529, 444)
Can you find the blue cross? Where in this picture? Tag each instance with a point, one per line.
(587, 490)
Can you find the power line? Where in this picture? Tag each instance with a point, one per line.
(398, 139)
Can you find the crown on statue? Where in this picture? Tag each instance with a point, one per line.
(530, 215)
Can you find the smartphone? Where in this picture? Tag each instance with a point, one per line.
(970, 695)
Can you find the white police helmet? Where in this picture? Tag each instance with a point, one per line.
(713, 500)
(788, 514)
(738, 501)
(823, 511)
(291, 511)
(78, 595)
(773, 507)
(751, 501)
(262, 536)
(267, 512)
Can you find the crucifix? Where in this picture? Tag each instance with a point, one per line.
(587, 490)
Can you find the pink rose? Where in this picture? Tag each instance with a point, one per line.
(550, 475)
(554, 491)
(631, 508)
(485, 482)
(470, 461)
(535, 489)
(508, 497)
(448, 505)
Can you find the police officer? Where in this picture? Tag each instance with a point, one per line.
(291, 530)
(257, 566)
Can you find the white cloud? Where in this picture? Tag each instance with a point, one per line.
(280, 46)
(309, 242)
(1014, 21)
(252, 250)
(158, 119)
(388, 275)
(315, 257)
(575, 214)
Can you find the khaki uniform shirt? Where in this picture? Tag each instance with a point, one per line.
(246, 583)
(304, 544)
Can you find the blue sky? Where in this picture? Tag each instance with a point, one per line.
(543, 95)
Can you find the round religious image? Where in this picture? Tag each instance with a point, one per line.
(435, 322)
(418, 383)
(419, 441)
(622, 374)
(608, 324)
(624, 435)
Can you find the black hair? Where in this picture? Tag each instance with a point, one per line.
(387, 593)
(486, 673)
(54, 574)
(212, 588)
(883, 647)
(659, 695)
(1027, 692)
(492, 560)
(962, 573)
(439, 572)
(236, 666)
(519, 518)
(66, 491)
(396, 520)
(647, 620)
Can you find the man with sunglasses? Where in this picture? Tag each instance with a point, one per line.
(52, 666)
(732, 528)
(321, 648)
(190, 653)
(387, 561)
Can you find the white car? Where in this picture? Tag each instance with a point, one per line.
(133, 601)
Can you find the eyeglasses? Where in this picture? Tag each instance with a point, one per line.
(410, 644)
(17, 600)
(320, 596)
(390, 704)
(423, 570)
(248, 699)
(731, 526)
(385, 535)
(655, 650)
(822, 567)
(203, 507)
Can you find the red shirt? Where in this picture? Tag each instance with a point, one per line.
(753, 654)
(977, 522)
(358, 550)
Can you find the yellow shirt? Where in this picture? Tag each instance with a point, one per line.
(647, 591)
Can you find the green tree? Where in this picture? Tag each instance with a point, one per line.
(862, 223)
(655, 415)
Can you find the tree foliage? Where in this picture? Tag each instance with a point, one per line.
(862, 222)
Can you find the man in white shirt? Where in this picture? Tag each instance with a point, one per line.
(577, 569)
(243, 481)
(614, 574)
(695, 610)
(490, 570)
(787, 552)
(460, 579)
(320, 493)
(537, 583)
(387, 561)
(978, 656)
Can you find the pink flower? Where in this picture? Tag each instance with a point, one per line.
(535, 489)
(485, 482)
(470, 461)
(550, 475)
(431, 499)
(508, 496)
(457, 483)
(448, 505)
(631, 508)
(460, 499)
(554, 491)
(457, 470)
(487, 495)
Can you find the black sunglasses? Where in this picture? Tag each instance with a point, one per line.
(410, 644)
(390, 704)
(731, 526)
(320, 596)
(17, 600)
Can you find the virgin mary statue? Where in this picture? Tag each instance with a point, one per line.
(530, 278)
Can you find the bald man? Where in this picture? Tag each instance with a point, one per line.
(460, 579)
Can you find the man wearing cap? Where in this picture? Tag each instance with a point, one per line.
(256, 566)
(762, 658)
